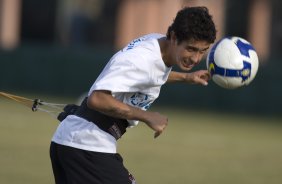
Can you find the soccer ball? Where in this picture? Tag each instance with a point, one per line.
(232, 62)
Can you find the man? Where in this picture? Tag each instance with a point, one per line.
(83, 149)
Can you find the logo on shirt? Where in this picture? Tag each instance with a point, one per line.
(135, 42)
(140, 100)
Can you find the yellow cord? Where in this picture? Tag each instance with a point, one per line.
(24, 101)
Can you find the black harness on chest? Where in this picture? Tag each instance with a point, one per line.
(114, 126)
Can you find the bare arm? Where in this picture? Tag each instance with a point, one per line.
(103, 102)
(197, 77)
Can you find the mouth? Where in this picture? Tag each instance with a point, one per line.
(187, 64)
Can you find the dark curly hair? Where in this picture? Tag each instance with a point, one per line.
(193, 23)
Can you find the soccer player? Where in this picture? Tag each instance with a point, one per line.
(83, 148)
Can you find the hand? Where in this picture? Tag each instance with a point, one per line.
(157, 122)
(198, 77)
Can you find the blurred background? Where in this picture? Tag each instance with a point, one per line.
(55, 49)
(59, 46)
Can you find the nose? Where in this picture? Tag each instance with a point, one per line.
(196, 57)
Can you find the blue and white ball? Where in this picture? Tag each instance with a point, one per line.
(232, 62)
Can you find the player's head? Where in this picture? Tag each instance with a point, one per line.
(193, 23)
(190, 36)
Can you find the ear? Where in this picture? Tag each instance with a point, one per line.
(173, 38)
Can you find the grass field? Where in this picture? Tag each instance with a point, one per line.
(196, 148)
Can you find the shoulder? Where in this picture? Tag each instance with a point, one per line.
(142, 41)
(141, 53)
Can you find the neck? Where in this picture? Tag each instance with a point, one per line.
(165, 48)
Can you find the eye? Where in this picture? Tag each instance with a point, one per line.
(191, 49)
(203, 51)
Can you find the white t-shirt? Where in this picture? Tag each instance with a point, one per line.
(134, 75)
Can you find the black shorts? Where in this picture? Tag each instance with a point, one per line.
(76, 166)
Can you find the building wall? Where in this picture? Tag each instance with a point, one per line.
(139, 17)
(259, 27)
(10, 23)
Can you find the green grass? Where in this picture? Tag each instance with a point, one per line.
(197, 148)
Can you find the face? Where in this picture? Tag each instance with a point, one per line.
(188, 54)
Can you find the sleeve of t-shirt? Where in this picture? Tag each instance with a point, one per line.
(123, 74)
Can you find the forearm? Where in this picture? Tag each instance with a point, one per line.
(103, 102)
(197, 77)
(176, 76)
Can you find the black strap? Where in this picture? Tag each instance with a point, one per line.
(114, 126)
